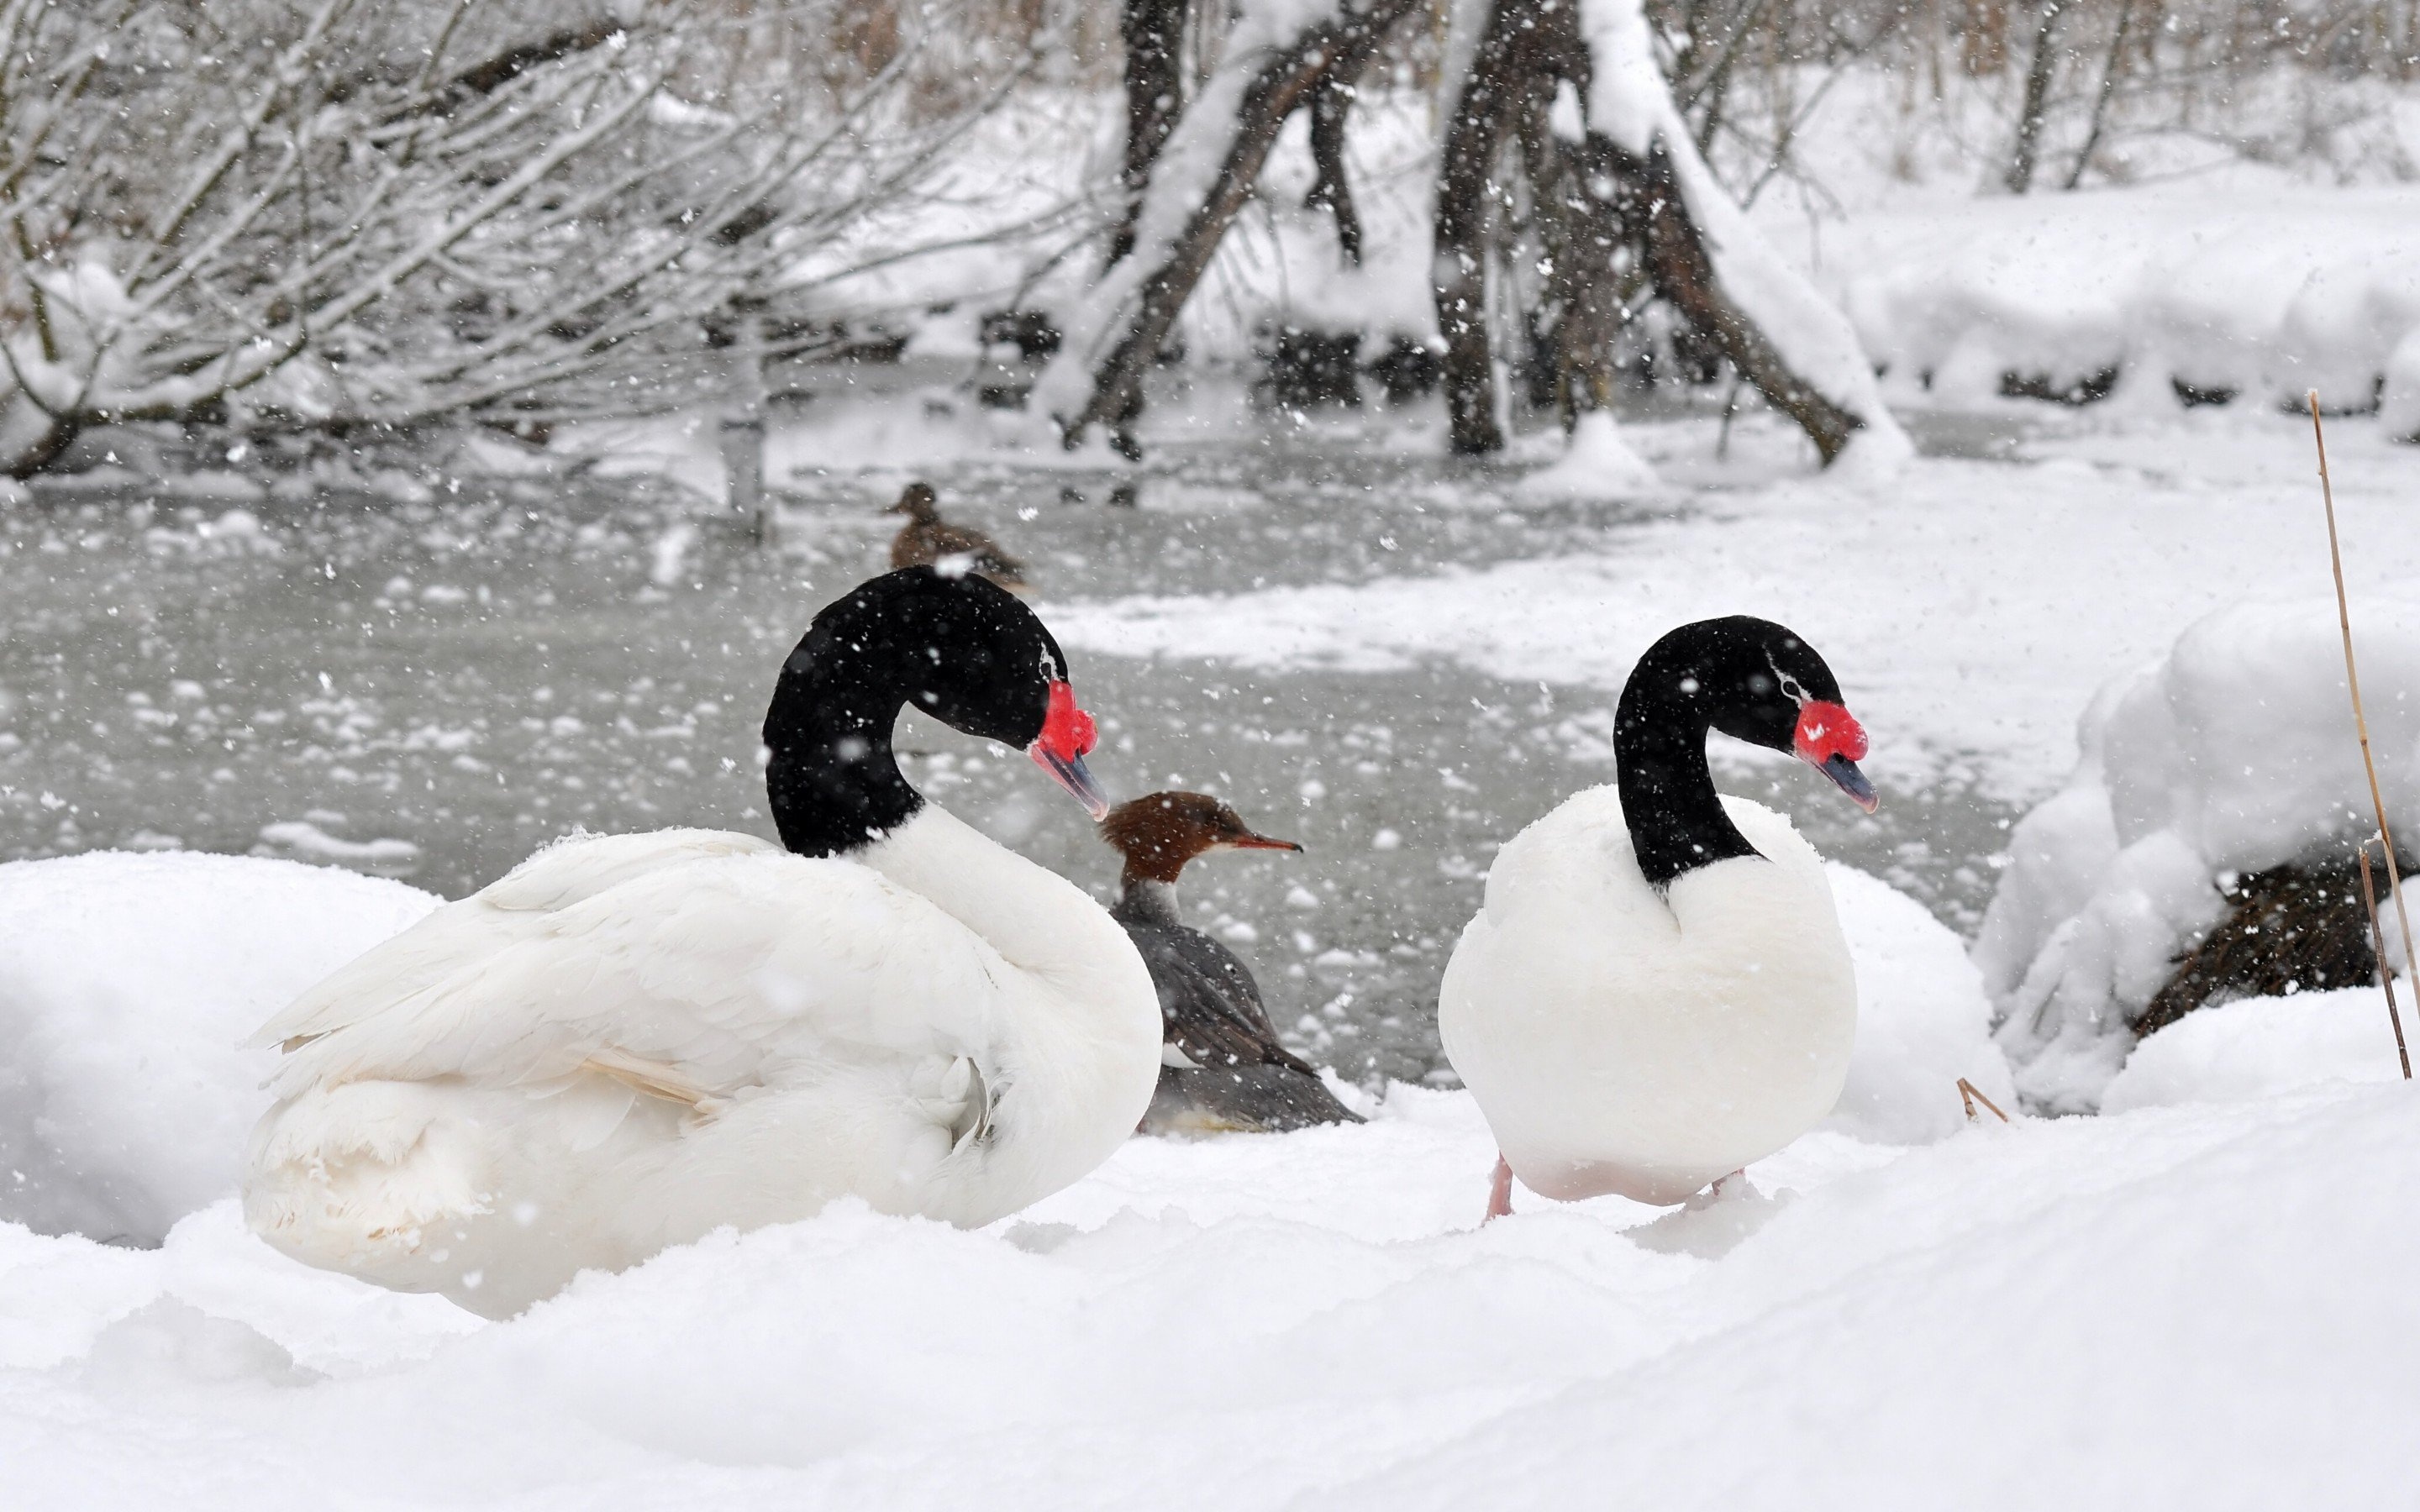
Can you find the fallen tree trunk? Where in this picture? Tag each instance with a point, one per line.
(1229, 129)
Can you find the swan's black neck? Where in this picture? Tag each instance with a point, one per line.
(834, 782)
(1676, 818)
(1749, 678)
(960, 649)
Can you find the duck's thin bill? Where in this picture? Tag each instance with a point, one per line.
(1853, 782)
(1262, 842)
(1069, 772)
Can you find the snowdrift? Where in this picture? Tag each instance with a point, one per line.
(2234, 753)
(2196, 1307)
(128, 983)
(2183, 291)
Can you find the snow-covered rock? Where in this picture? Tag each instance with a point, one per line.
(128, 983)
(2234, 753)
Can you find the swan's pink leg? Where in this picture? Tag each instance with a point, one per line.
(1500, 1193)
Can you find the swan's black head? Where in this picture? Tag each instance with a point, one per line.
(957, 647)
(1749, 678)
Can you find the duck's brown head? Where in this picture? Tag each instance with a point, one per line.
(919, 503)
(1159, 832)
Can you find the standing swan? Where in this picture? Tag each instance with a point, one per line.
(1656, 990)
(634, 1039)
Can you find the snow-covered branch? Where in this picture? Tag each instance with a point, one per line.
(324, 213)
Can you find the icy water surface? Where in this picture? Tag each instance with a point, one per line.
(432, 689)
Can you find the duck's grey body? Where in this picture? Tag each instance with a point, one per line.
(1236, 1074)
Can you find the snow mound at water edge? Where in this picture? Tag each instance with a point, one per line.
(128, 983)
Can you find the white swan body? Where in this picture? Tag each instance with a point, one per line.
(1626, 1041)
(630, 1041)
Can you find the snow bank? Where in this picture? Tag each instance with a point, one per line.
(127, 984)
(2261, 294)
(2054, 1313)
(1922, 1019)
(2258, 1047)
(2234, 753)
(1596, 464)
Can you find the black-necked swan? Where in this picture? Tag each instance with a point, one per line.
(1656, 990)
(632, 1040)
(1223, 1067)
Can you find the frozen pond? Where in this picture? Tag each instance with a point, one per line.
(431, 689)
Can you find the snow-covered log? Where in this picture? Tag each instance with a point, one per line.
(1281, 57)
(1612, 169)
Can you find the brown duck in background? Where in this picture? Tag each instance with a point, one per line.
(927, 538)
(1221, 1066)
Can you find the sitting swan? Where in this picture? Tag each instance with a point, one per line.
(634, 1039)
(1656, 990)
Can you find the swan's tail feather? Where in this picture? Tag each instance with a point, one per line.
(365, 1176)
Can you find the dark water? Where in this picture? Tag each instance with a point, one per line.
(432, 689)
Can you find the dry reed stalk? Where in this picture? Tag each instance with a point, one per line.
(2378, 939)
(1970, 1094)
(2360, 726)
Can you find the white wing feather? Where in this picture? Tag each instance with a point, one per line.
(734, 970)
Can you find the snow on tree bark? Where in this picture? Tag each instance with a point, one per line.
(1282, 55)
(1616, 166)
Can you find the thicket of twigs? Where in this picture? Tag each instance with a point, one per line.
(330, 215)
(334, 214)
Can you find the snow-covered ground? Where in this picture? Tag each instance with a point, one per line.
(2198, 1306)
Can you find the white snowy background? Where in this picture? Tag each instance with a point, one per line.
(2113, 622)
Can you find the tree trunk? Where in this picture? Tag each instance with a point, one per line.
(1508, 82)
(1153, 32)
(1330, 108)
(2109, 76)
(1334, 50)
(2037, 100)
(1684, 274)
(1594, 198)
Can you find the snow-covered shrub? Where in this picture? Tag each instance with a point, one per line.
(307, 212)
(2233, 754)
(128, 985)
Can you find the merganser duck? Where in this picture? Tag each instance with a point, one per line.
(1656, 990)
(1222, 1067)
(632, 1040)
(928, 540)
